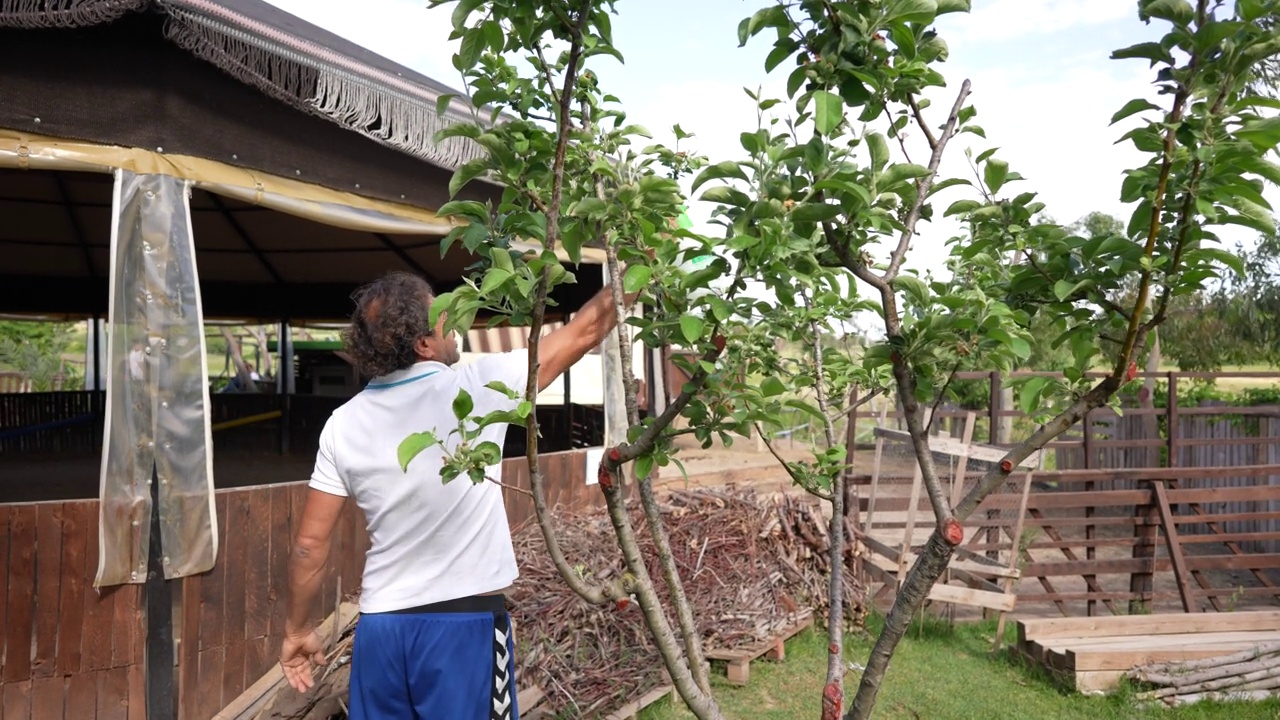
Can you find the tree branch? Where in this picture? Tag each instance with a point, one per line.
(915, 110)
(795, 478)
(922, 188)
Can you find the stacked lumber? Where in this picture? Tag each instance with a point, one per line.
(1250, 674)
(1095, 654)
(754, 569)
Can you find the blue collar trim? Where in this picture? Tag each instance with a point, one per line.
(406, 381)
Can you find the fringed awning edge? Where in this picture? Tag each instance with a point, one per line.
(403, 118)
(35, 14)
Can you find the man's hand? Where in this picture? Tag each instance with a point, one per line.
(297, 654)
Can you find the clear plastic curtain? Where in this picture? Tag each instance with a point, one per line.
(157, 422)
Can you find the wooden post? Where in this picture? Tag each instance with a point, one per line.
(1145, 531)
(994, 406)
(1090, 531)
(851, 446)
(1173, 430)
(159, 666)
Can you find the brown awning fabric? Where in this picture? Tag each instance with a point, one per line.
(291, 61)
(123, 83)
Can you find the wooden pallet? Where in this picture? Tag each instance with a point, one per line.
(739, 660)
(1093, 654)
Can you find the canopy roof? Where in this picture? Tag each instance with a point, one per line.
(314, 161)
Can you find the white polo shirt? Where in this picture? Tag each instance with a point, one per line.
(430, 541)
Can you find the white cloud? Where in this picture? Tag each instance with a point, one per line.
(1007, 19)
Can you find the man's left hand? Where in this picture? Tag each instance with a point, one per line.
(297, 654)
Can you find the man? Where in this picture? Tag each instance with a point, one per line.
(434, 637)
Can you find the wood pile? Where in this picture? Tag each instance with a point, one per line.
(1250, 674)
(752, 567)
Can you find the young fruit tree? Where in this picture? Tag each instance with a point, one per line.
(826, 196)
(572, 179)
(820, 210)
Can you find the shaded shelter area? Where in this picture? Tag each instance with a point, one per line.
(168, 167)
(290, 213)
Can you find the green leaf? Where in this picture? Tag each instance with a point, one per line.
(1252, 215)
(469, 171)
(772, 386)
(960, 207)
(806, 408)
(774, 15)
(951, 6)
(464, 208)
(917, 11)
(493, 36)
(494, 279)
(1264, 134)
(900, 172)
(726, 195)
(463, 405)
(828, 111)
(1064, 289)
(814, 212)
(473, 43)
(1178, 12)
(636, 278)
(1250, 10)
(879, 148)
(499, 386)
(1153, 51)
(1133, 107)
(1230, 259)
(588, 206)
(995, 173)
(464, 9)
(644, 466)
(719, 171)
(691, 327)
(1032, 390)
(412, 446)
(442, 103)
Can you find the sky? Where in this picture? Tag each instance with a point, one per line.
(1042, 83)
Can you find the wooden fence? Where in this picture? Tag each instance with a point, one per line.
(1159, 506)
(71, 652)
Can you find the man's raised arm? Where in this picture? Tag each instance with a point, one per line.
(559, 350)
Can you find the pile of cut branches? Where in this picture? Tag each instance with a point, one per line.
(752, 567)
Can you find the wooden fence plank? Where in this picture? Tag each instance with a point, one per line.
(237, 560)
(212, 610)
(232, 679)
(257, 604)
(210, 691)
(82, 696)
(17, 701)
(7, 576)
(137, 703)
(280, 537)
(48, 697)
(21, 603)
(113, 694)
(126, 631)
(74, 583)
(189, 648)
(95, 645)
(48, 588)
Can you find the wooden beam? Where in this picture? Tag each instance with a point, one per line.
(1158, 624)
(957, 448)
(1175, 547)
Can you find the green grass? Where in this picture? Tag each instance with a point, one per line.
(939, 673)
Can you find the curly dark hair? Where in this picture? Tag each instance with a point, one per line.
(391, 313)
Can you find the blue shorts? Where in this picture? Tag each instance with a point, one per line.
(447, 661)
